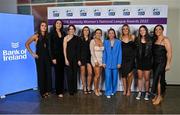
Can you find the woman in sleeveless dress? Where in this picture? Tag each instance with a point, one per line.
(128, 58)
(96, 48)
(42, 58)
(162, 56)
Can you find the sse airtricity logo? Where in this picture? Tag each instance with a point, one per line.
(83, 13)
(141, 12)
(97, 12)
(55, 13)
(156, 12)
(111, 12)
(126, 12)
(15, 53)
(69, 13)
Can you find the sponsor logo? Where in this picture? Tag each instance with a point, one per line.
(156, 12)
(83, 13)
(111, 12)
(141, 12)
(126, 12)
(97, 12)
(69, 13)
(55, 14)
(15, 53)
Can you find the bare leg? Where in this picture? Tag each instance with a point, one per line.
(140, 80)
(124, 85)
(129, 79)
(89, 69)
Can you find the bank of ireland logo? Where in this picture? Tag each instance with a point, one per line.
(14, 44)
(126, 12)
(83, 13)
(97, 12)
(55, 13)
(14, 53)
(156, 11)
(141, 12)
(111, 12)
(69, 13)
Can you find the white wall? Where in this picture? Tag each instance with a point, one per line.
(8, 6)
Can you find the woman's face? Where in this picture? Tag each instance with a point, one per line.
(111, 34)
(58, 24)
(158, 31)
(98, 34)
(71, 30)
(86, 31)
(125, 30)
(43, 27)
(142, 31)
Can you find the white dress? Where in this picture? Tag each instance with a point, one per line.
(96, 53)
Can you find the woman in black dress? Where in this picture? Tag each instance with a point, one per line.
(162, 55)
(57, 56)
(42, 58)
(144, 60)
(128, 58)
(84, 59)
(71, 46)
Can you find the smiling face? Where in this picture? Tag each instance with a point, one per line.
(98, 34)
(125, 30)
(71, 30)
(158, 31)
(43, 27)
(58, 24)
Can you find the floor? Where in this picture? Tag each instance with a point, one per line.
(30, 102)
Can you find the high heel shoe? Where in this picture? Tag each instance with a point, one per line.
(88, 90)
(158, 101)
(96, 93)
(154, 99)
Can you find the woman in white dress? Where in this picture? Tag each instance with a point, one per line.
(96, 48)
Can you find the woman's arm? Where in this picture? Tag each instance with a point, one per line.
(28, 42)
(169, 53)
(64, 49)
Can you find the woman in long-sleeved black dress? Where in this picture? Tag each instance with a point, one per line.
(42, 58)
(57, 56)
(71, 54)
(162, 55)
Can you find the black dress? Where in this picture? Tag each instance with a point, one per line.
(144, 56)
(85, 55)
(128, 58)
(159, 58)
(72, 52)
(57, 53)
(43, 65)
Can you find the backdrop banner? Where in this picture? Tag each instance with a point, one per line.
(105, 17)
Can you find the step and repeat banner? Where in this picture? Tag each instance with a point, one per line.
(17, 67)
(105, 17)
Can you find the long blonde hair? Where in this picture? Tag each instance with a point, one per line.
(129, 32)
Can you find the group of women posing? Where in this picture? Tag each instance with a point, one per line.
(116, 55)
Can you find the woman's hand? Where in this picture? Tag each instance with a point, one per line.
(79, 63)
(54, 61)
(167, 67)
(119, 66)
(67, 62)
(35, 55)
